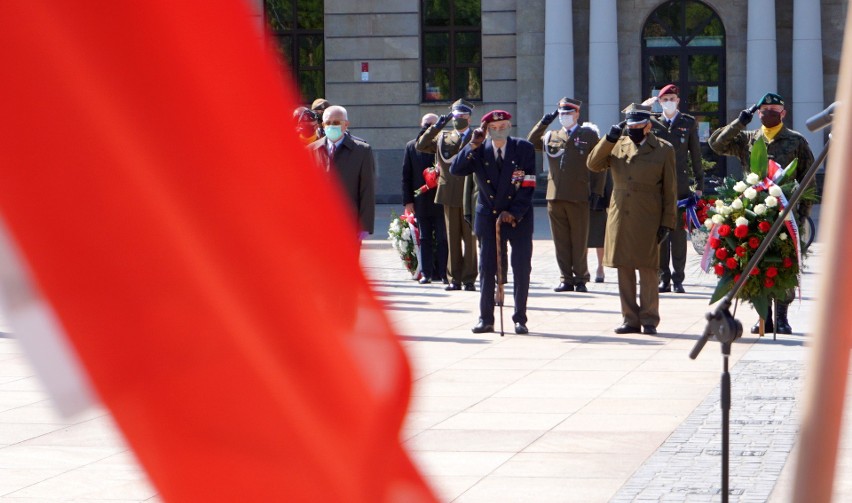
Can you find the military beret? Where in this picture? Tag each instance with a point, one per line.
(462, 107)
(669, 89)
(637, 114)
(320, 104)
(303, 114)
(569, 105)
(771, 99)
(496, 115)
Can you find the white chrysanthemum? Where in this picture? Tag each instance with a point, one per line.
(726, 210)
(760, 209)
(783, 236)
(737, 204)
(719, 203)
(718, 219)
(771, 201)
(775, 191)
(406, 234)
(750, 193)
(708, 223)
(741, 221)
(752, 178)
(740, 186)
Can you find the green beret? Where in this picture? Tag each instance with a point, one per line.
(771, 99)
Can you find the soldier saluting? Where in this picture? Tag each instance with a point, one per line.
(461, 263)
(570, 186)
(681, 130)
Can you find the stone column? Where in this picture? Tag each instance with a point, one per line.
(761, 57)
(807, 68)
(558, 52)
(604, 106)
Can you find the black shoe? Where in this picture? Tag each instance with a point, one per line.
(453, 286)
(678, 288)
(768, 327)
(424, 280)
(649, 329)
(468, 287)
(482, 328)
(665, 287)
(581, 287)
(520, 328)
(599, 279)
(564, 287)
(445, 281)
(627, 329)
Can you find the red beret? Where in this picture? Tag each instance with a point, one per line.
(496, 115)
(669, 89)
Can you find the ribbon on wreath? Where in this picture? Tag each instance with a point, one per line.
(688, 204)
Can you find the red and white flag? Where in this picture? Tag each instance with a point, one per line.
(149, 187)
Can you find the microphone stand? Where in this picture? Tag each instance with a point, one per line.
(726, 329)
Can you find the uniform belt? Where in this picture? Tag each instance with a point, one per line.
(641, 187)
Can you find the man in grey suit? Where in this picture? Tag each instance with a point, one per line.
(351, 160)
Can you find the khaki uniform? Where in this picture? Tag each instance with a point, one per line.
(461, 263)
(569, 187)
(644, 198)
(682, 133)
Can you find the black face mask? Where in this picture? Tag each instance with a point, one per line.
(770, 118)
(460, 124)
(636, 134)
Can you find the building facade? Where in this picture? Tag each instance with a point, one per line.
(391, 61)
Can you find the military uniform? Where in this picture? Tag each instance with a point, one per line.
(570, 186)
(503, 186)
(461, 263)
(644, 200)
(682, 133)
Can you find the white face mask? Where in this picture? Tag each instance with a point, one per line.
(669, 106)
(567, 120)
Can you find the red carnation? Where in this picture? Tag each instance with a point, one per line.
(768, 282)
(740, 251)
(732, 263)
(754, 272)
(724, 230)
(753, 242)
(771, 272)
(719, 269)
(722, 253)
(715, 242)
(736, 278)
(764, 226)
(741, 231)
(787, 263)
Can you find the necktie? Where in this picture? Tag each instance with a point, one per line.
(499, 158)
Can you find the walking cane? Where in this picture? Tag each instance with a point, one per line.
(498, 296)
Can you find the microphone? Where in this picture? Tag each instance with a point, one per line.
(822, 119)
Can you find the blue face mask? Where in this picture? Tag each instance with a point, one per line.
(333, 133)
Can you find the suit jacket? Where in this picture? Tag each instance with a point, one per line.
(644, 197)
(413, 165)
(445, 145)
(355, 169)
(568, 178)
(682, 133)
(510, 189)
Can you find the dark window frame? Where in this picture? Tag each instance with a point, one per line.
(453, 68)
(297, 35)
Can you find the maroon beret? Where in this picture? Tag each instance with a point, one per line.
(669, 89)
(496, 115)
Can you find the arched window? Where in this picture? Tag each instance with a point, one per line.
(683, 42)
(297, 27)
(451, 49)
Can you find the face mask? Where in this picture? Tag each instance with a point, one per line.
(333, 133)
(499, 135)
(566, 120)
(669, 107)
(770, 118)
(460, 124)
(637, 135)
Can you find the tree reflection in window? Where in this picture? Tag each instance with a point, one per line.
(297, 27)
(451, 45)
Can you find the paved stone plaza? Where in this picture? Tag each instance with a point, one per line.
(569, 413)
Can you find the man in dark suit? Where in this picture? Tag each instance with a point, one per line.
(430, 215)
(681, 130)
(351, 159)
(505, 173)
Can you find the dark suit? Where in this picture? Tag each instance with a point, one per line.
(430, 215)
(507, 188)
(354, 166)
(682, 133)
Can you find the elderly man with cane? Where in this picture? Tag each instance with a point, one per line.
(505, 173)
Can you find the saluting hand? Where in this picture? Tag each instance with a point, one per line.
(615, 132)
(478, 135)
(546, 119)
(443, 120)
